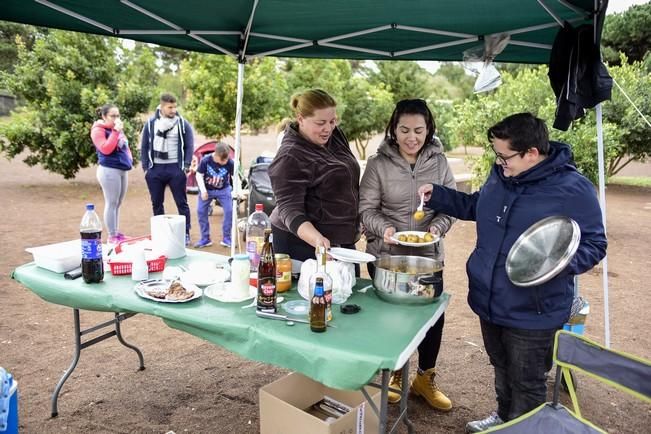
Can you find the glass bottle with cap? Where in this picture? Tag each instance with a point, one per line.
(322, 274)
(318, 323)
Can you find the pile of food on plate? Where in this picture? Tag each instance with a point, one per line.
(176, 291)
(414, 238)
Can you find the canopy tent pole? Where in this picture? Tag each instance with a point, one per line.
(602, 201)
(238, 146)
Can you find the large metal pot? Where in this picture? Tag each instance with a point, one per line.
(408, 279)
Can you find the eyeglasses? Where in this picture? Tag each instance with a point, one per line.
(502, 159)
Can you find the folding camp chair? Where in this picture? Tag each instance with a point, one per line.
(574, 352)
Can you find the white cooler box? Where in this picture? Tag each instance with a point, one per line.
(59, 257)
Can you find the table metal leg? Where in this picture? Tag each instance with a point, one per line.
(382, 412)
(386, 375)
(79, 345)
(404, 398)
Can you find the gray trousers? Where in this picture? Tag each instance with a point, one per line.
(114, 186)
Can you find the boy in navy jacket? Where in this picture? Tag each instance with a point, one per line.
(532, 178)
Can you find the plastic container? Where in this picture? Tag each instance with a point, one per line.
(8, 403)
(258, 222)
(92, 266)
(121, 268)
(59, 257)
(283, 272)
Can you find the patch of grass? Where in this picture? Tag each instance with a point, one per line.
(637, 181)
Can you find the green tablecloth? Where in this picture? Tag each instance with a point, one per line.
(381, 336)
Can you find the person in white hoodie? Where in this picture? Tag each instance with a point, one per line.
(115, 161)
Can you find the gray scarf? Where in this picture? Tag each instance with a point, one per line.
(162, 127)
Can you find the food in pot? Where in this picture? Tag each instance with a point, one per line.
(428, 237)
(402, 237)
(418, 215)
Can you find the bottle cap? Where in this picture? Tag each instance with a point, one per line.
(90, 207)
(258, 207)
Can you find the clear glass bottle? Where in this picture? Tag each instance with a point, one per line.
(318, 305)
(257, 223)
(321, 273)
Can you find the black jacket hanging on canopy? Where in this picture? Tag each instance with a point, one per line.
(578, 77)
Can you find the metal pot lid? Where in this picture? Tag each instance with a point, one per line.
(543, 251)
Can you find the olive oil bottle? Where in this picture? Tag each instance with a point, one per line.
(318, 308)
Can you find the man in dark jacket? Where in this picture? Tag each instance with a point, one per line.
(166, 152)
(532, 179)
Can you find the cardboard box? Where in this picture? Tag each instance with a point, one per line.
(284, 404)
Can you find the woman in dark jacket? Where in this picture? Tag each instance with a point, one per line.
(532, 178)
(315, 179)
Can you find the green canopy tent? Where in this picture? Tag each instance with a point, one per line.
(353, 29)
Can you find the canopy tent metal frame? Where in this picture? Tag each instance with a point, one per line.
(568, 11)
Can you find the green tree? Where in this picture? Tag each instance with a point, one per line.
(332, 76)
(404, 79)
(368, 108)
(62, 80)
(459, 84)
(528, 90)
(628, 32)
(12, 34)
(211, 82)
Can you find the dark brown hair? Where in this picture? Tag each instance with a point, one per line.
(410, 107)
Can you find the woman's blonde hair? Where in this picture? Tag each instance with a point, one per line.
(308, 102)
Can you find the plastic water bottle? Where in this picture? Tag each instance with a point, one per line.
(257, 224)
(92, 266)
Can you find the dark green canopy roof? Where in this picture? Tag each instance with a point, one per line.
(353, 29)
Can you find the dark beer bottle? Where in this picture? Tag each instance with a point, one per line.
(267, 276)
(318, 308)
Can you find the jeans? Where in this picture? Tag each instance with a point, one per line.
(159, 177)
(521, 359)
(225, 199)
(429, 347)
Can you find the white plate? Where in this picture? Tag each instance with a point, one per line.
(216, 275)
(420, 235)
(350, 255)
(223, 292)
(160, 283)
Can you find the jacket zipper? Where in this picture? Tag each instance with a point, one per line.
(536, 294)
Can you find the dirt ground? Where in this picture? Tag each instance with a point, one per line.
(193, 386)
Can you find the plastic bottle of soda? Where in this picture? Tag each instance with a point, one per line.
(258, 222)
(92, 267)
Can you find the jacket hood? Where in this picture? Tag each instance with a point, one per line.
(559, 159)
(391, 150)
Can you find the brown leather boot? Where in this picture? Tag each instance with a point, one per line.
(425, 386)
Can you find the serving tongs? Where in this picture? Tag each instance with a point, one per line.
(281, 317)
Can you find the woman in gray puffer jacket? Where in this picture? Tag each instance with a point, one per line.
(409, 156)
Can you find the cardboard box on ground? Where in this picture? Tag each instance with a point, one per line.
(285, 405)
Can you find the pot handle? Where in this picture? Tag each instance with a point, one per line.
(436, 280)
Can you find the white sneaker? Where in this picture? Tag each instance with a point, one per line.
(484, 424)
